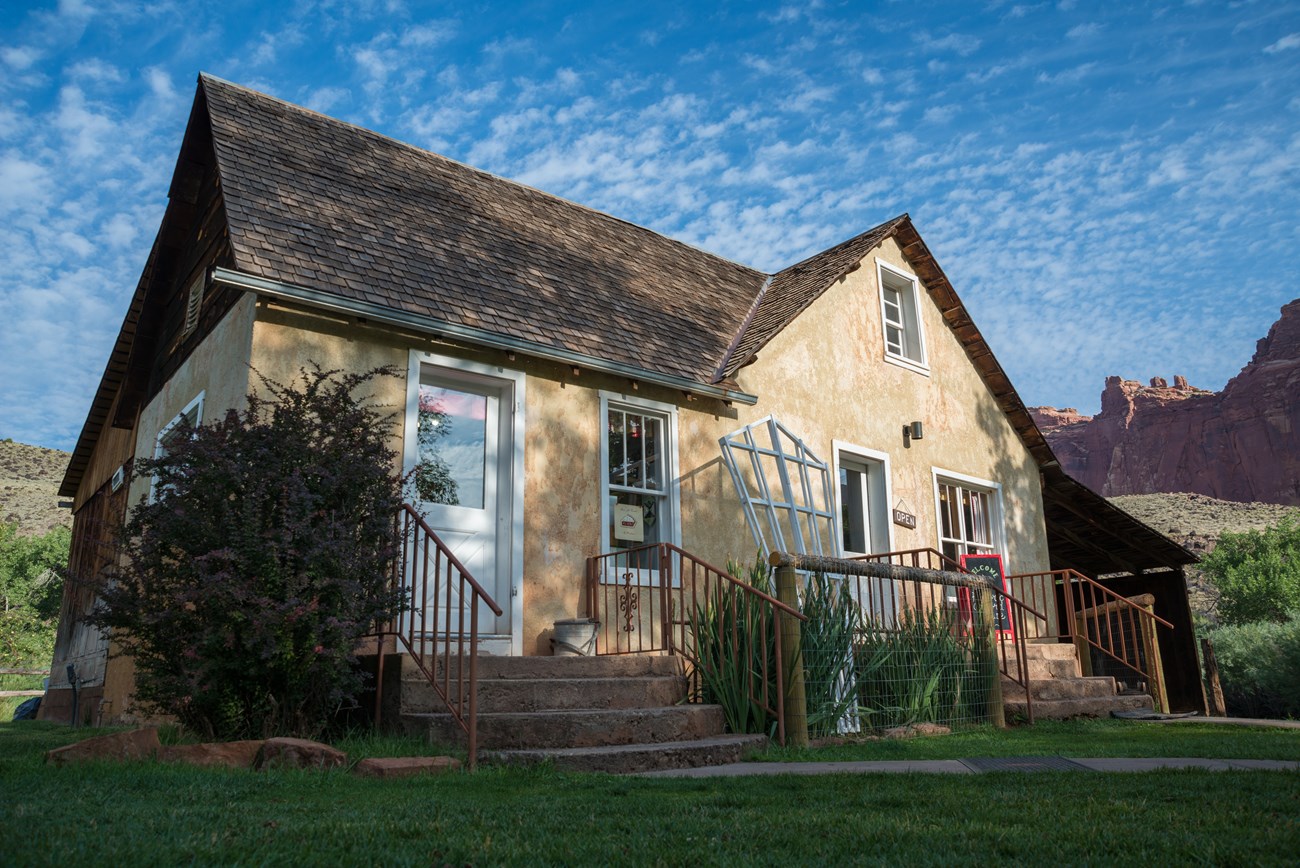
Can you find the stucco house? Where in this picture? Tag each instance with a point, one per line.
(550, 337)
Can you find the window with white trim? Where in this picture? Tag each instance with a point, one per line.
(901, 318)
(863, 527)
(968, 519)
(192, 415)
(637, 491)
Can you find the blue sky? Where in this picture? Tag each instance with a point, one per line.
(1112, 189)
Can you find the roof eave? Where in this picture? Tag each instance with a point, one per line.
(328, 301)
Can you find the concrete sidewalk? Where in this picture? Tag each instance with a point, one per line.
(979, 766)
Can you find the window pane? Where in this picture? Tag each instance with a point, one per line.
(653, 453)
(452, 441)
(853, 519)
(634, 443)
(617, 459)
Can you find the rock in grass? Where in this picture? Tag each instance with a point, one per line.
(405, 766)
(912, 730)
(298, 753)
(230, 754)
(137, 744)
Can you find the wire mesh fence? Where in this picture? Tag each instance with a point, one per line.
(883, 653)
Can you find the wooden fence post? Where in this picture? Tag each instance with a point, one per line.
(1217, 706)
(988, 627)
(796, 699)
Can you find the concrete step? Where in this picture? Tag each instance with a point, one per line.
(1047, 689)
(1047, 660)
(554, 694)
(621, 666)
(1064, 709)
(575, 728)
(631, 758)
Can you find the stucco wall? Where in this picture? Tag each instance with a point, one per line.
(824, 377)
(218, 367)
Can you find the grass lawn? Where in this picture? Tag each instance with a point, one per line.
(148, 813)
(1076, 738)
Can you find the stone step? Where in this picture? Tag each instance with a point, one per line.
(554, 694)
(1064, 709)
(619, 666)
(631, 758)
(1047, 689)
(574, 728)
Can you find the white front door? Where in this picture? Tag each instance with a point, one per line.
(461, 449)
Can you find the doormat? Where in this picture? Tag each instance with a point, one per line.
(1024, 764)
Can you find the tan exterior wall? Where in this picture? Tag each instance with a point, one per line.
(218, 367)
(114, 448)
(824, 377)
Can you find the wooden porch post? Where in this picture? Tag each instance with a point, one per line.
(796, 699)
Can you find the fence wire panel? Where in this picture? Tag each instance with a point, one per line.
(917, 653)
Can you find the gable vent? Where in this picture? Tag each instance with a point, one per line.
(194, 302)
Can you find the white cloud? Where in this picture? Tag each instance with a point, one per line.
(956, 43)
(20, 57)
(1291, 40)
(427, 35)
(1083, 31)
(160, 83)
(96, 71)
(22, 182)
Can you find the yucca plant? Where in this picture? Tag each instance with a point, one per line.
(827, 645)
(735, 645)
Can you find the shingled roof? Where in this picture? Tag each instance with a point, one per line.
(312, 201)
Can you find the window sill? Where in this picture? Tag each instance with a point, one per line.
(915, 367)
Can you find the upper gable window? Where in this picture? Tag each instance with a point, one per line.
(901, 318)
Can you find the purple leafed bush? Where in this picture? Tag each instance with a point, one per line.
(261, 559)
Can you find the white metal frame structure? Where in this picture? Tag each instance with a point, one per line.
(809, 519)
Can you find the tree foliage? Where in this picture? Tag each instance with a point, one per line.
(261, 560)
(31, 589)
(1257, 573)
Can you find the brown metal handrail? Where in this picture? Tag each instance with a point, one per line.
(1093, 610)
(433, 629)
(645, 600)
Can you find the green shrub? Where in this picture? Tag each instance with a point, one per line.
(1257, 573)
(250, 577)
(1259, 667)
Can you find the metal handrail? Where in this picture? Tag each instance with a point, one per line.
(914, 555)
(433, 630)
(652, 611)
(1089, 590)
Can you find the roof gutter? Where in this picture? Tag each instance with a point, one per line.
(328, 301)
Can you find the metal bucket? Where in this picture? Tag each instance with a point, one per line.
(574, 637)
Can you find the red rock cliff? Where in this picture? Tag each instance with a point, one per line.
(1241, 444)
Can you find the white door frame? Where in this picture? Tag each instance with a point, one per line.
(510, 516)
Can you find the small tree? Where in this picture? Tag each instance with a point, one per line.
(1257, 573)
(31, 588)
(260, 561)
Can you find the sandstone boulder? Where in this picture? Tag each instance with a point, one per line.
(230, 754)
(136, 744)
(405, 766)
(298, 753)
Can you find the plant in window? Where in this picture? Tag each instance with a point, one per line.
(265, 557)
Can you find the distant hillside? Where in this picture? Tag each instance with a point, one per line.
(29, 485)
(1196, 521)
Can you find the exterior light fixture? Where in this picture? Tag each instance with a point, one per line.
(912, 431)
